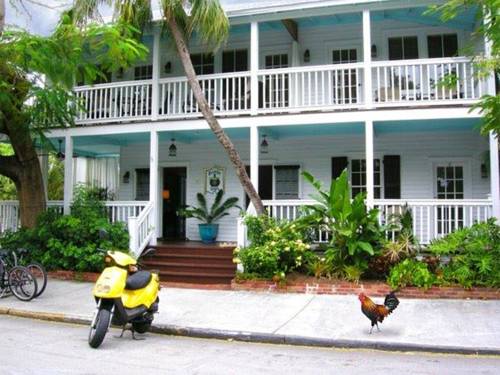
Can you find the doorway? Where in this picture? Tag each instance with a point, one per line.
(174, 198)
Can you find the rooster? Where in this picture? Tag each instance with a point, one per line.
(377, 313)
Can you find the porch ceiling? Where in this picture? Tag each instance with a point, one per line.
(415, 15)
(414, 126)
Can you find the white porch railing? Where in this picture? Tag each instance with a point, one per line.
(141, 229)
(227, 93)
(432, 218)
(9, 216)
(297, 89)
(137, 214)
(418, 81)
(311, 88)
(115, 101)
(435, 218)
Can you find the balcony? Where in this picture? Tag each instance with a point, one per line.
(403, 83)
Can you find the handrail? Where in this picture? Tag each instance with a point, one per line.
(141, 229)
(113, 84)
(437, 61)
(207, 76)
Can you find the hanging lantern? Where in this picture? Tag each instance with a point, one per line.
(264, 146)
(172, 150)
(60, 155)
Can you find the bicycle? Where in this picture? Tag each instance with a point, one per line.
(35, 268)
(18, 280)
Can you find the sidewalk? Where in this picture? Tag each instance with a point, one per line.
(455, 326)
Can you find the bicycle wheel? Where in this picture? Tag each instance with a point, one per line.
(22, 283)
(40, 274)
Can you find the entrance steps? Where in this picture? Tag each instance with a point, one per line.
(193, 262)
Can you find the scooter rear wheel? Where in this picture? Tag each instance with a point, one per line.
(99, 328)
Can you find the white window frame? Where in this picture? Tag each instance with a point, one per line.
(464, 162)
(381, 172)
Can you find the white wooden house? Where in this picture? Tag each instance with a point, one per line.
(314, 86)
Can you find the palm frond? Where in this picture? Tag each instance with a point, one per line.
(202, 202)
(209, 21)
(217, 200)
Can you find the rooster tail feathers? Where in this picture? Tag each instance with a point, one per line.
(391, 301)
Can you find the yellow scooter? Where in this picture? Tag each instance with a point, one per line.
(123, 295)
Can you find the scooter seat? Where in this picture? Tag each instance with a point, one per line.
(138, 280)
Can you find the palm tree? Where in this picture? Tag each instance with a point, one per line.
(207, 19)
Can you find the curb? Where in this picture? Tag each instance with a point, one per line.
(266, 338)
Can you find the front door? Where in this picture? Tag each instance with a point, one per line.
(345, 81)
(174, 198)
(449, 185)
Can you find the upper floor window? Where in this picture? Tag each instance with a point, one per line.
(234, 60)
(403, 48)
(277, 61)
(143, 72)
(445, 45)
(203, 63)
(342, 56)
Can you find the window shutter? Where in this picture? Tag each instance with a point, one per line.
(338, 165)
(392, 177)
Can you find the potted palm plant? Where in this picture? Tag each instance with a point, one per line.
(208, 229)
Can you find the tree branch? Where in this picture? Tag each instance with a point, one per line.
(9, 167)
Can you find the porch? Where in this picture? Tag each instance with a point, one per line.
(442, 169)
(324, 60)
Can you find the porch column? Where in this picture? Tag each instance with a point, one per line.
(494, 175)
(155, 92)
(370, 190)
(153, 182)
(254, 156)
(43, 157)
(367, 59)
(254, 67)
(68, 174)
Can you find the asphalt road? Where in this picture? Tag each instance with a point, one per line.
(38, 347)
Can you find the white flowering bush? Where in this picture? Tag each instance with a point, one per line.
(277, 247)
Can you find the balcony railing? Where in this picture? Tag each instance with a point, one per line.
(312, 88)
(432, 218)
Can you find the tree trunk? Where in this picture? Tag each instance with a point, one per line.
(208, 114)
(2, 15)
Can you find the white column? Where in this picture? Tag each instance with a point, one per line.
(494, 175)
(153, 182)
(43, 158)
(295, 53)
(155, 92)
(367, 58)
(370, 190)
(490, 80)
(68, 174)
(254, 156)
(254, 67)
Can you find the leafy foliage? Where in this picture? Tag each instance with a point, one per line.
(411, 272)
(475, 255)
(355, 233)
(217, 210)
(276, 249)
(70, 242)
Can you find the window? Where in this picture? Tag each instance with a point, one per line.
(286, 181)
(277, 86)
(143, 72)
(445, 45)
(449, 185)
(234, 60)
(277, 61)
(358, 177)
(203, 63)
(142, 184)
(403, 48)
(345, 84)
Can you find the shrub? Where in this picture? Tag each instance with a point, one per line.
(411, 272)
(277, 247)
(355, 233)
(475, 255)
(70, 242)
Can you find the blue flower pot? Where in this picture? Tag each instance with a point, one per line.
(208, 232)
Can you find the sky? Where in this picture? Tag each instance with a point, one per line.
(42, 19)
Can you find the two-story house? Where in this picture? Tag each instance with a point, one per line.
(314, 86)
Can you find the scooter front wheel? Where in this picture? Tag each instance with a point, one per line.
(99, 327)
